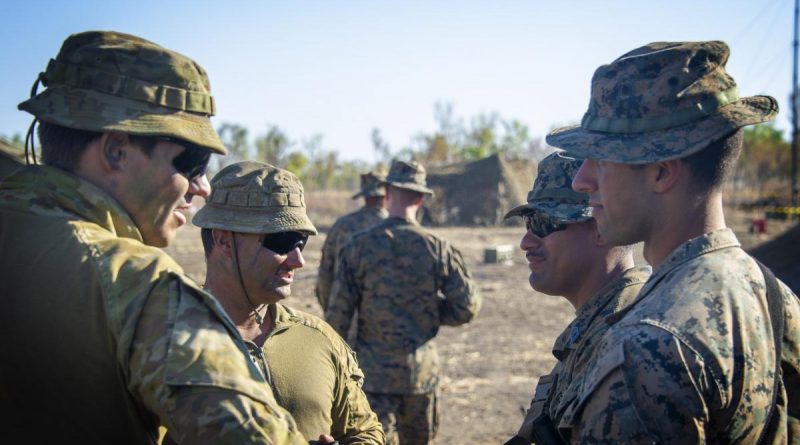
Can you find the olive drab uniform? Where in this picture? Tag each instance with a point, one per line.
(104, 338)
(305, 362)
(341, 232)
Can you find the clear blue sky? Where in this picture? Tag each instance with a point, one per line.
(341, 68)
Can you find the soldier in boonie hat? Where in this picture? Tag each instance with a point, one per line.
(373, 189)
(409, 175)
(665, 100)
(254, 228)
(662, 133)
(567, 258)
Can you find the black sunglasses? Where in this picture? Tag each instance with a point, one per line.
(284, 242)
(192, 161)
(542, 225)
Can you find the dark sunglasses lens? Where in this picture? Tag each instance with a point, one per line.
(284, 242)
(192, 161)
(542, 226)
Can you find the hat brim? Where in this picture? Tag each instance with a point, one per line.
(369, 193)
(563, 213)
(253, 220)
(664, 145)
(93, 111)
(411, 186)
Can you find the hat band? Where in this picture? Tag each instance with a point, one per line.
(675, 118)
(257, 199)
(558, 194)
(127, 87)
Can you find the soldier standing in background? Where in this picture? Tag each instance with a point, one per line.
(709, 352)
(374, 211)
(404, 282)
(254, 228)
(567, 257)
(103, 336)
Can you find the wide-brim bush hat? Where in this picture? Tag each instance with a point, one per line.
(111, 81)
(552, 192)
(373, 184)
(662, 101)
(254, 197)
(409, 175)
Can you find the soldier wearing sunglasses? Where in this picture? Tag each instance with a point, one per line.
(254, 229)
(103, 336)
(567, 257)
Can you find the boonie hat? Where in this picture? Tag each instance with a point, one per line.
(372, 184)
(110, 81)
(253, 197)
(552, 192)
(662, 101)
(409, 175)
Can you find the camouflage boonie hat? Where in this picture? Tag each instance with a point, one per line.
(552, 192)
(372, 184)
(253, 197)
(409, 175)
(663, 101)
(110, 81)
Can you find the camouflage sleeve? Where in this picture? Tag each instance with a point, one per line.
(790, 355)
(354, 422)
(462, 301)
(344, 294)
(327, 263)
(184, 365)
(651, 389)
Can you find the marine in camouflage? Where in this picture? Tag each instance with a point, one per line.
(665, 100)
(345, 227)
(412, 417)
(106, 338)
(691, 366)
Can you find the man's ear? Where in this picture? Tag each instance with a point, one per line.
(114, 148)
(223, 241)
(663, 175)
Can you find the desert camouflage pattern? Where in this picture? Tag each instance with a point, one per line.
(405, 282)
(575, 347)
(254, 197)
(115, 329)
(372, 184)
(339, 234)
(692, 360)
(552, 192)
(409, 175)
(407, 419)
(110, 81)
(315, 376)
(662, 101)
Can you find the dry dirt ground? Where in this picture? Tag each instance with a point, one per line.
(490, 366)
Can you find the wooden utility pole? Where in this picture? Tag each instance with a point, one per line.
(794, 106)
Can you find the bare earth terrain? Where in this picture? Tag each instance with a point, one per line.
(491, 365)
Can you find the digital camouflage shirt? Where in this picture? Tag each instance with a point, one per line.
(691, 360)
(341, 232)
(405, 283)
(315, 376)
(103, 339)
(574, 348)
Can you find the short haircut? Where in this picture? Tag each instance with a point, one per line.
(208, 240)
(711, 166)
(62, 147)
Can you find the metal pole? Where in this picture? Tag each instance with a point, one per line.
(794, 105)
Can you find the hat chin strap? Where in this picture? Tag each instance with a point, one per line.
(256, 310)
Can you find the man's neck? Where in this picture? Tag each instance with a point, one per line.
(240, 311)
(598, 280)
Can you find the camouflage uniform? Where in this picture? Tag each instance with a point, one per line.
(311, 370)
(137, 344)
(104, 338)
(552, 196)
(305, 362)
(691, 360)
(344, 228)
(405, 282)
